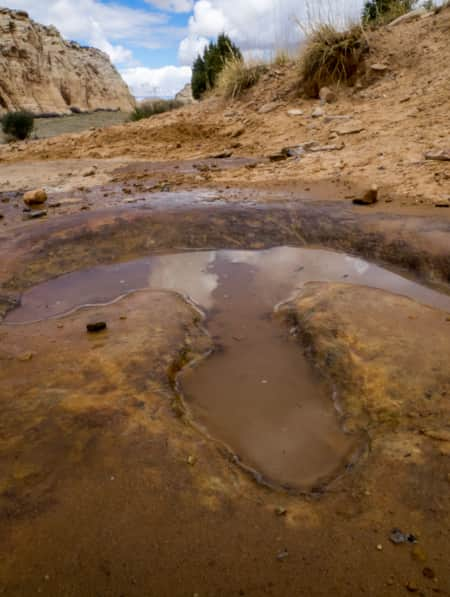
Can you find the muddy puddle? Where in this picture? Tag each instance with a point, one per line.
(256, 393)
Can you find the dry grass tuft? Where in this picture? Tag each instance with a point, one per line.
(331, 57)
(149, 108)
(237, 76)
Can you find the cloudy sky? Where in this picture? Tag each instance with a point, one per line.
(153, 42)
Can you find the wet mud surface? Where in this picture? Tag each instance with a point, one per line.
(106, 486)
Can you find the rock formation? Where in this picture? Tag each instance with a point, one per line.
(45, 74)
(185, 95)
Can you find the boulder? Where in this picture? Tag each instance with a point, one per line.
(36, 197)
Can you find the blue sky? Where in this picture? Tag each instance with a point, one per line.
(154, 42)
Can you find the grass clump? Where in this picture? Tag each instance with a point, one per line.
(17, 125)
(381, 12)
(237, 76)
(150, 108)
(331, 57)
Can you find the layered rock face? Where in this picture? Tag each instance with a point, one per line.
(43, 73)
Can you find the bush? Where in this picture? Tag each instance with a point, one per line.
(206, 68)
(152, 107)
(17, 125)
(382, 11)
(236, 77)
(331, 57)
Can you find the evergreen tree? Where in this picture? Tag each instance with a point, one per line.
(206, 68)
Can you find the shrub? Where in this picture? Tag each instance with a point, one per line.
(331, 57)
(382, 11)
(206, 68)
(236, 77)
(17, 125)
(150, 108)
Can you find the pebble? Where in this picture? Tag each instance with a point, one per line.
(96, 326)
(280, 511)
(442, 203)
(317, 113)
(33, 215)
(282, 555)
(295, 112)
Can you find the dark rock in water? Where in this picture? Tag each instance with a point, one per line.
(279, 157)
(32, 215)
(397, 537)
(96, 326)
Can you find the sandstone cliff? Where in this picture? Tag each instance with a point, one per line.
(43, 73)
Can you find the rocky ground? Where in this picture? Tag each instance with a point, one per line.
(106, 489)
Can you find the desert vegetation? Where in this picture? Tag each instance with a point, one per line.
(331, 57)
(17, 125)
(206, 68)
(378, 12)
(149, 108)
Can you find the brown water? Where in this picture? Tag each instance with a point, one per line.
(256, 393)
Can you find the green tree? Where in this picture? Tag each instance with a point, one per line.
(206, 68)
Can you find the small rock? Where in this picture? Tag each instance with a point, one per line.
(1, 216)
(369, 198)
(442, 155)
(295, 112)
(442, 203)
(266, 108)
(379, 547)
(280, 511)
(191, 460)
(36, 197)
(317, 113)
(428, 572)
(96, 326)
(412, 587)
(89, 172)
(397, 537)
(349, 128)
(54, 204)
(40, 213)
(26, 356)
(282, 555)
(327, 96)
(278, 157)
(379, 67)
(222, 155)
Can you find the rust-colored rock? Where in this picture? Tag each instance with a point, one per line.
(36, 197)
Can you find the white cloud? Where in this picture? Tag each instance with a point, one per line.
(259, 26)
(156, 82)
(99, 24)
(190, 48)
(173, 5)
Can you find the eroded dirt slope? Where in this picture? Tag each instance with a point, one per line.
(401, 113)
